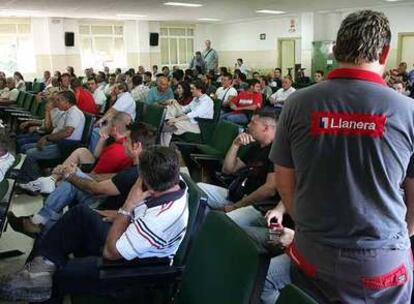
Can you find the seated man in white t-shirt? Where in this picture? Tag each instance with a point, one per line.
(9, 96)
(282, 94)
(226, 92)
(98, 95)
(151, 223)
(122, 102)
(69, 127)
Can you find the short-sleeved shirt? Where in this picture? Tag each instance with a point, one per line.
(123, 181)
(154, 95)
(140, 92)
(74, 118)
(100, 99)
(157, 227)
(246, 99)
(210, 56)
(6, 162)
(223, 94)
(85, 101)
(257, 158)
(349, 140)
(10, 94)
(125, 103)
(113, 158)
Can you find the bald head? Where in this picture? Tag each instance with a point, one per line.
(208, 44)
(10, 82)
(119, 123)
(163, 83)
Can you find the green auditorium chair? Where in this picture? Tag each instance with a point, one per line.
(29, 85)
(292, 294)
(154, 116)
(27, 105)
(224, 266)
(18, 105)
(35, 110)
(140, 107)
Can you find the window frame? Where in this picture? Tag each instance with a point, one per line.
(188, 37)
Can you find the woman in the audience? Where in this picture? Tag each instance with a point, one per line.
(20, 84)
(183, 93)
(266, 89)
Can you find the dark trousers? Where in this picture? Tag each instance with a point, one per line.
(24, 139)
(81, 232)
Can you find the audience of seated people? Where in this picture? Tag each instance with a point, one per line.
(69, 127)
(113, 234)
(105, 175)
(109, 155)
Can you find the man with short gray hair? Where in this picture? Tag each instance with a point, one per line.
(341, 154)
(210, 57)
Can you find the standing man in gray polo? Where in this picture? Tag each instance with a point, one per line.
(210, 57)
(341, 153)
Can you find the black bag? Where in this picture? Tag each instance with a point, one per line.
(237, 188)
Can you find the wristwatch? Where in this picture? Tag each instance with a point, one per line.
(124, 212)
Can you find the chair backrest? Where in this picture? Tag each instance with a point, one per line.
(28, 101)
(154, 116)
(6, 187)
(21, 98)
(87, 130)
(292, 294)
(223, 136)
(28, 85)
(224, 265)
(196, 207)
(41, 109)
(35, 107)
(37, 87)
(217, 109)
(140, 106)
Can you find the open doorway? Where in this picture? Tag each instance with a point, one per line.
(286, 56)
(406, 49)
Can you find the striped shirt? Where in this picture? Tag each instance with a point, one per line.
(157, 228)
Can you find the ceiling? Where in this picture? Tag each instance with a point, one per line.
(224, 10)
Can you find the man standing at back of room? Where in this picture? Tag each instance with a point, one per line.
(210, 56)
(341, 153)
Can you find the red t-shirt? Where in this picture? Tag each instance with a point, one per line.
(247, 98)
(85, 101)
(113, 159)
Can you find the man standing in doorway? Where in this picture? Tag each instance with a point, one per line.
(351, 243)
(210, 57)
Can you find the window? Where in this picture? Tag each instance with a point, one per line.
(16, 47)
(177, 45)
(102, 45)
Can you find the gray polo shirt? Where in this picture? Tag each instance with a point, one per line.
(349, 140)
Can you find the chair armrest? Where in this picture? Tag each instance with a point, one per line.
(149, 268)
(205, 157)
(146, 273)
(107, 264)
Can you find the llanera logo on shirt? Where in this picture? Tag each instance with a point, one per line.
(347, 124)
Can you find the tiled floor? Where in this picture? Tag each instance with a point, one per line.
(21, 205)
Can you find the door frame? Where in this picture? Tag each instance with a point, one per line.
(279, 54)
(400, 42)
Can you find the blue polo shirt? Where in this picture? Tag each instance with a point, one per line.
(154, 95)
(349, 140)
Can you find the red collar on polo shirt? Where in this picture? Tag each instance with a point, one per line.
(357, 74)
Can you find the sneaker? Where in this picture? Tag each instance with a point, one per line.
(31, 284)
(31, 187)
(46, 184)
(23, 224)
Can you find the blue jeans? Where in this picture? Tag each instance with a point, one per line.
(30, 169)
(238, 118)
(278, 276)
(94, 139)
(24, 139)
(64, 195)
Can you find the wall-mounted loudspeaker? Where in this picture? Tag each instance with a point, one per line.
(69, 39)
(154, 39)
